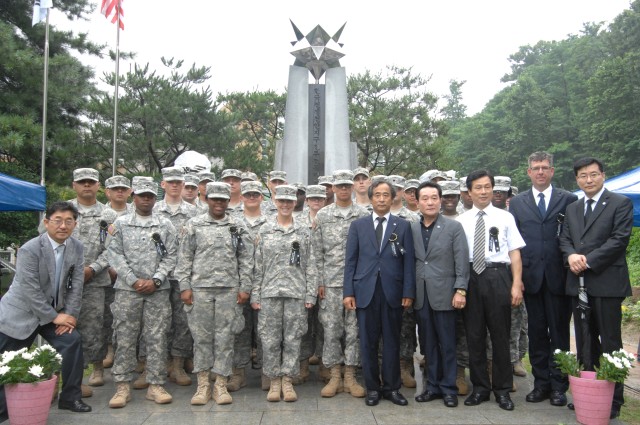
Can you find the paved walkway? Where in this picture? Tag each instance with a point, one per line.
(251, 407)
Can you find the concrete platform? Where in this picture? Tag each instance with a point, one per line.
(251, 407)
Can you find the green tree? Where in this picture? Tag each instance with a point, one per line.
(392, 120)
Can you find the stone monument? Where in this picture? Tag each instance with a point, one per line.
(316, 130)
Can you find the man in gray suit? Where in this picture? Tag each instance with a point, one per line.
(442, 275)
(44, 299)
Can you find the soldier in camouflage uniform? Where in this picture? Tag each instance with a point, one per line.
(118, 191)
(178, 212)
(329, 245)
(410, 188)
(190, 189)
(361, 183)
(276, 178)
(96, 278)
(327, 182)
(143, 251)
(204, 178)
(233, 178)
(248, 176)
(284, 285)
(215, 268)
(312, 341)
(408, 341)
(253, 219)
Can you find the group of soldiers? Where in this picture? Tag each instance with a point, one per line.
(213, 272)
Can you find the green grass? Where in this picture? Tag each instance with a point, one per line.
(630, 412)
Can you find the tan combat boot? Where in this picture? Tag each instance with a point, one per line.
(324, 374)
(141, 383)
(203, 392)
(335, 383)
(158, 394)
(275, 388)
(304, 370)
(351, 385)
(178, 375)
(288, 393)
(220, 393)
(238, 380)
(265, 382)
(142, 364)
(188, 365)
(107, 362)
(518, 369)
(96, 379)
(315, 360)
(86, 391)
(406, 366)
(461, 381)
(121, 397)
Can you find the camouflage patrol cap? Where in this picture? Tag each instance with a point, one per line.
(360, 170)
(325, 180)
(117, 181)
(278, 175)
(397, 181)
(514, 190)
(463, 184)
(286, 192)
(250, 186)
(173, 174)
(191, 180)
(86, 174)
(411, 184)
(138, 179)
(502, 183)
(206, 175)
(342, 177)
(248, 176)
(218, 190)
(299, 186)
(379, 177)
(316, 191)
(231, 172)
(450, 187)
(145, 186)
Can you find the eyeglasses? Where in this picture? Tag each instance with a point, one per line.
(538, 169)
(591, 176)
(252, 195)
(58, 222)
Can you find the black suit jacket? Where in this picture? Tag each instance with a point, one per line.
(541, 256)
(603, 240)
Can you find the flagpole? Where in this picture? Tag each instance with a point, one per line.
(115, 99)
(44, 99)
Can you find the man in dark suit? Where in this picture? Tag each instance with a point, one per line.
(442, 271)
(379, 281)
(44, 299)
(539, 214)
(594, 241)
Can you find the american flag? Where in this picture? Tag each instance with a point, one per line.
(108, 7)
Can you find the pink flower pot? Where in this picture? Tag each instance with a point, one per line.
(592, 398)
(29, 404)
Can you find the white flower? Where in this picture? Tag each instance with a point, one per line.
(626, 363)
(27, 356)
(58, 357)
(558, 351)
(7, 356)
(36, 370)
(4, 369)
(46, 347)
(22, 350)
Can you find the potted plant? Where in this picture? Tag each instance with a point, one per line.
(593, 391)
(29, 378)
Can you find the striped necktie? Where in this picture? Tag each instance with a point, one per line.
(479, 244)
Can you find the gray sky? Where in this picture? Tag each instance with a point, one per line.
(247, 43)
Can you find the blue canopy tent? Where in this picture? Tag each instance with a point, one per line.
(627, 184)
(19, 195)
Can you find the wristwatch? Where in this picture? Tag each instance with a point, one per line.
(461, 292)
(157, 282)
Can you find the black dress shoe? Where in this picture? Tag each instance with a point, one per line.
(558, 398)
(475, 399)
(427, 396)
(77, 406)
(450, 400)
(537, 395)
(570, 406)
(504, 401)
(395, 397)
(372, 398)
